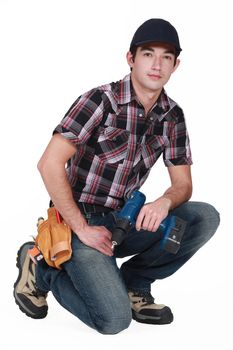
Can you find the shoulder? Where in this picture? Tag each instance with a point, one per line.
(102, 93)
(175, 111)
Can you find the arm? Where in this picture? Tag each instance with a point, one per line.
(52, 169)
(152, 214)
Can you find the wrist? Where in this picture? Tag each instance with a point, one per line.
(80, 225)
(167, 201)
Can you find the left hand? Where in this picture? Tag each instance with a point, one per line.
(152, 214)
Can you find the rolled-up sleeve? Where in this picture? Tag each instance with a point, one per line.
(177, 150)
(82, 117)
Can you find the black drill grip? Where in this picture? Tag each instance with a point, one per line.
(120, 230)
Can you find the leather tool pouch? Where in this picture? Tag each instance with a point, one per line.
(54, 239)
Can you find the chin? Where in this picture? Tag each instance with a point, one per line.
(155, 87)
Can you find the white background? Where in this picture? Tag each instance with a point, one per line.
(51, 52)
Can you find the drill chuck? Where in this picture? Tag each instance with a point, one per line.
(127, 217)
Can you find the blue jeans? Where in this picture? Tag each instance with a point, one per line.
(93, 288)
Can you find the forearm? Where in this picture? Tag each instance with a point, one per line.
(58, 187)
(177, 194)
(180, 190)
(153, 213)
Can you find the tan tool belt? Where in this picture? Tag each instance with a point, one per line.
(54, 239)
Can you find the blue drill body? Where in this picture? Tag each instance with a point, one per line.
(173, 227)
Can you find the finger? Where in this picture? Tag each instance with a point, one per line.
(146, 222)
(156, 225)
(108, 249)
(104, 250)
(152, 224)
(106, 243)
(140, 220)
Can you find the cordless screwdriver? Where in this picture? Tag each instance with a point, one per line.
(173, 227)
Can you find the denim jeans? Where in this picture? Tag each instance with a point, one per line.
(93, 288)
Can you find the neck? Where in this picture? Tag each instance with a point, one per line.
(147, 97)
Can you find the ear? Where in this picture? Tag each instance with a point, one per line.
(129, 58)
(176, 65)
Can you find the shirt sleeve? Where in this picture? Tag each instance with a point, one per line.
(177, 150)
(82, 117)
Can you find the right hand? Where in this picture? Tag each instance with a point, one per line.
(97, 237)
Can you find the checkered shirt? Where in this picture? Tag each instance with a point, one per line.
(117, 144)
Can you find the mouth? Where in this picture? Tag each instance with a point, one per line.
(154, 76)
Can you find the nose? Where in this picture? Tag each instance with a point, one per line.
(156, 64)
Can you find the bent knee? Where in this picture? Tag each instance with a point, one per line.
(115, 321)
(209, 219)
(114, 325)
(210, 215)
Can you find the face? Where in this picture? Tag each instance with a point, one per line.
(152, 66)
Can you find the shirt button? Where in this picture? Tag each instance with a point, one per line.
(151, 118)
(140, 115)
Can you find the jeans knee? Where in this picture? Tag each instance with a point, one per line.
(114, 325)
(211, 217)
(115, 320)
(208, 218)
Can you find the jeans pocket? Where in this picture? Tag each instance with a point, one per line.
(107, 220)
(95, 219)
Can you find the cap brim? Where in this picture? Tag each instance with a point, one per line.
(141, 43)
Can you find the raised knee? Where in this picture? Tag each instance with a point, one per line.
(210, 218)
(211, 215)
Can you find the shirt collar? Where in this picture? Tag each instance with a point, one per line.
(127, 94)
(163, 103)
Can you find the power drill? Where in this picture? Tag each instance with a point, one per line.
(173, 227)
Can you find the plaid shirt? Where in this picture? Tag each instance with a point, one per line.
(117, 144)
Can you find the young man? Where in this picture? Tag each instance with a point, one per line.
(102, 151)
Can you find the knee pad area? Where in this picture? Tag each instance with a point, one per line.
(113, 325)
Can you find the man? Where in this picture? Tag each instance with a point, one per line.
(102, 151)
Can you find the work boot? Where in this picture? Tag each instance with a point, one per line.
(30, 300)
(144, 309)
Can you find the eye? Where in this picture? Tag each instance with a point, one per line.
(168, 57)
(147, 54)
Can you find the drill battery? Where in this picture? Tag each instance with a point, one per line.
(173, 228)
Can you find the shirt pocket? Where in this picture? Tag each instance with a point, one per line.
(112, 144)
(152, 147)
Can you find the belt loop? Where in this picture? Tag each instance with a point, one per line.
(86, 212)
(84, 208)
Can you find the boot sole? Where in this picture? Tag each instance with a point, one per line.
(151, 319)
(18, 301)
